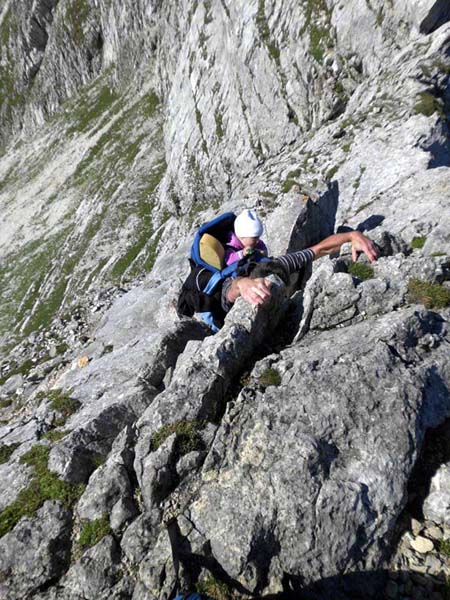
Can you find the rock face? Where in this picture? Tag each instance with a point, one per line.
(37, 552)
(326, 460)
(139, 453)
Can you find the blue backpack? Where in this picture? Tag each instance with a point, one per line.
(201, 292)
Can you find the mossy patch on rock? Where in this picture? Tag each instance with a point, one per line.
(213, 588)
(290, 181)
(6, 451)
(444, 547)
(431, 295)
(55, 436)
(418, 242)
(45, 485)
(270, 377)
(62, 403)
(427, 105)
(94, 531)
(361, 271)
(318, 26)
(21, 369)
(188, 437)
(77, 15)
(219, 125)
(264, 32)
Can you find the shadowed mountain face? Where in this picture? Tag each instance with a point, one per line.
(140, 454)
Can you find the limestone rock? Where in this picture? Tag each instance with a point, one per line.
(436, 507)
(36, 552)
(422, 545)
(96, 572)
(110, 482)
(124, 126)
(201, 379)
(288, 450)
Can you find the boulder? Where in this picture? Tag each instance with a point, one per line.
(307, 477)
(36, 552)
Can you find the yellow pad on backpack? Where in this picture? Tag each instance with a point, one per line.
(212, 251)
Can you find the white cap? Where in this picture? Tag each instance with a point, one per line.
(247, 224)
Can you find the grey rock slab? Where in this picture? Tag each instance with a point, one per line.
(188, 463)
(14, 478)
(332, 298)
(96, 572)
(123, 512)
(11, 385)
(436, 506)
(159, 476)
(36, 552)
(140, 536)
(433, 533)
(327, 454)
(75, 457)
(422, 545)
(106, 486)
(204, 372)
(111, 482)
(109, 403)
(336, 304)
(281, 226)
(157, 570)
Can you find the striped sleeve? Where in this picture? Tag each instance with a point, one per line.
(296, 261)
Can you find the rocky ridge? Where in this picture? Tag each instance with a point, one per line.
(139, 453)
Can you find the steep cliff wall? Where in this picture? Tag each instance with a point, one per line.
(158, 111)
(138, 453)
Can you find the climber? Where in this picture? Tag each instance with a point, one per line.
(228, 259)
(256, 290)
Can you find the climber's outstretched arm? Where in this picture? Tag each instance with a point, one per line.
(256, 291)
(359, 242)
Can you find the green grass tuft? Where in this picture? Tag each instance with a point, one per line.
(264, 33)
(331, 172)
(319, 33)
(361, 271)
(288, 185)
(188, 436)
(45, 485)
(6, 452)
(431, 295)
(418, 242)
(270, 377)
(219, 125)
(77, 15)
(22, 369)
(213, 588)
(55, 436)
(62, 403)
(94, 531)
(427, 105)
(444, 547)
(290, 181)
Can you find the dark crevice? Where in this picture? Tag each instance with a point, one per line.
(435, 452)
(37, 35)
(436, 17)
(190, 565)
(438, 96)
